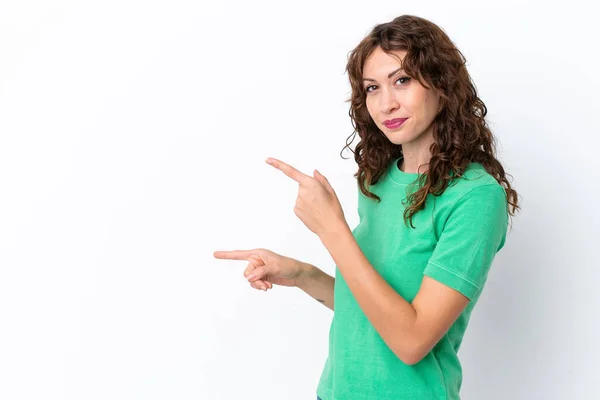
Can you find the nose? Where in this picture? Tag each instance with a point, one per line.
(389, 103)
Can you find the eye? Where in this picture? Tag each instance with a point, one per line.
(404, 80)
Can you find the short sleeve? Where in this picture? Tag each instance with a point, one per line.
(474, 232)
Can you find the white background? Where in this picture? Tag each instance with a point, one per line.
(132, 143)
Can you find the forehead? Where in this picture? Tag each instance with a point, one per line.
(380, 63)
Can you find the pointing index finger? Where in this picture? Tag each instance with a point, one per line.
(233, 254)
(288, 170)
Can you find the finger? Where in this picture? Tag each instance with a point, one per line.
(253, 263)
(233, 254)
(259, 285)
(257, 273)
(289, 170)
(321, 178)
(254, 273)
(248, 270)
(327, 185)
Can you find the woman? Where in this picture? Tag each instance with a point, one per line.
(434, 206)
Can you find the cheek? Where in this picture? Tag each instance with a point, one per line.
(369, 105)
(426, 106)
(431, 107)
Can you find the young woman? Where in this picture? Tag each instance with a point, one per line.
(434, 206)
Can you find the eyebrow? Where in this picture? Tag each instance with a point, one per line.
(389, 76)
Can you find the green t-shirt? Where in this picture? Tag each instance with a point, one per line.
(456, 238)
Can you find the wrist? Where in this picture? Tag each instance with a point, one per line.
(305, 274)
(340, 231)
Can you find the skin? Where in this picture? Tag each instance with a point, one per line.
(409, 329)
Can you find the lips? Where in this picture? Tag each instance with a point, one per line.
(394, 123)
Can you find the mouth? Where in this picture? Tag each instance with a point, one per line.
(394, 123)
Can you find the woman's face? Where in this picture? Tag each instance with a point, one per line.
(398, 96)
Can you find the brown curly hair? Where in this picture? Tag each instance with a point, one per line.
(460, 131)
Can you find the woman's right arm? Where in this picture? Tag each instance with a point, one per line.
(317, 284)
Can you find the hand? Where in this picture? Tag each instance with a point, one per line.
(317, 205)
(266, 268)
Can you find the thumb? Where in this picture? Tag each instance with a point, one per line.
(257, 273)
(318, 176)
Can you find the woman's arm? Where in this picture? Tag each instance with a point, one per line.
(409, 329)
(317, 284)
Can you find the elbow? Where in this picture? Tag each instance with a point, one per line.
(411, 353)
(414, 359)
(410, 358)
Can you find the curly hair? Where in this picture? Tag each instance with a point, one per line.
(461, 134)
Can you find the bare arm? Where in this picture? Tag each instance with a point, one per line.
(317, 284)
(409, 329)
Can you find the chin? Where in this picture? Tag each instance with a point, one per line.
(398, 138)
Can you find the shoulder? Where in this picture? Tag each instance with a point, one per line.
(475, 182)
(473, 199)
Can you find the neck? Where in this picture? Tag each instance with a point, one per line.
(416, 154)
(415, 160)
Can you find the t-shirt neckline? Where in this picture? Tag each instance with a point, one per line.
(401, 177)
